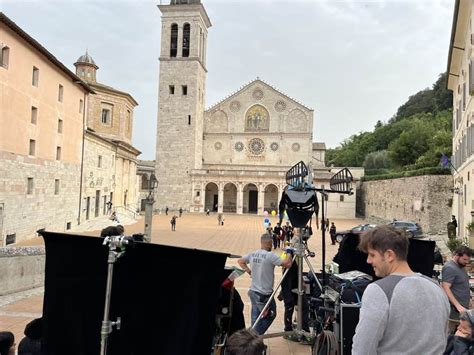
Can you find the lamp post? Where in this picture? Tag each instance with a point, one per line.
(149, 201)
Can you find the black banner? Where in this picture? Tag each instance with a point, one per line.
(165, 296)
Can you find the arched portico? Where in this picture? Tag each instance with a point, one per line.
(250, 198)
(211, 199)
(230, 197)
(271, 198)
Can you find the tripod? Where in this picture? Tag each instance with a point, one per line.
(299, 256)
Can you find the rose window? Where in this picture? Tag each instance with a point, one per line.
(295, 147)
(274, 146)
(239, 146)
(256, 146)
(218, 145)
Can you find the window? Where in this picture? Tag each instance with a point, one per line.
(81, 105)
(189, 119)
(186, 38)
(99, 161)
(32, 149)
(34, 115)
(30, 186)
(56, 186)
(105, 116)
(184, 89)
(198, 193)
(174, 40)
(171, 89)
(68, 225)
(60, 125)
(341, 198)
(60, 93)
(35, 78)
(58, 153)
(4, 57)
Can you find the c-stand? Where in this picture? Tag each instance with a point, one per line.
(117, 246)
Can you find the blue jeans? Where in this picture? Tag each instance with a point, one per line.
(258, 302)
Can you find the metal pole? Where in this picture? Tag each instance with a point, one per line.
(148, 217)
(106, 328)
(323, 249)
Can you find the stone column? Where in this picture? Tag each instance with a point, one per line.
(240, 199)
(261, 198)
(220, 198)
(203, 197)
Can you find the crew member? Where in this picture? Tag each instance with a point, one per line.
(455, 282)
(245, 342)
(262, 266)
(393, 307)
(462, 342)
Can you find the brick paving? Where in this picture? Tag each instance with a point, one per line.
(238, 236)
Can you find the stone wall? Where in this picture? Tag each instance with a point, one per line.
(24, 213)
(423, 199)
(21, 269)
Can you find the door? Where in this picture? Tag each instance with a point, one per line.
(253, 201)
(214, 203)
(97, 202)
(104, 210)
(88, 206)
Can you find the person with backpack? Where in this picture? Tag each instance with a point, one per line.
(173, 223)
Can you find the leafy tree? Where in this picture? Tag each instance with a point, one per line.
(377, 160)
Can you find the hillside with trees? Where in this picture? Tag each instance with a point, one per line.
(414, 138)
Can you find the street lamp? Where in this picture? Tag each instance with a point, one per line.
(149, 201)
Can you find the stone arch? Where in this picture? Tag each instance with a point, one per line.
(271, 198)
(230, 197)
(217, 122)
(297, 121)
(250, 198)
(211, 196)
(257, 119)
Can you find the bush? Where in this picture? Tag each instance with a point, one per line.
(454, 243)
(400, 174)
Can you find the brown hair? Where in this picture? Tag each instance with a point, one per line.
(245, 342)
(383, 238)
(463, 250)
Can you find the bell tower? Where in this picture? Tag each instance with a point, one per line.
(181, 94)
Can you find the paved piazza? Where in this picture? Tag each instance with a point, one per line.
(239, 235)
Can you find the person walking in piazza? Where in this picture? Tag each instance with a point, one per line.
(109, 207)
(288, 229)
(166, 210)
(277, 234)
(327, 224)
(394, 307)
(455, 282)
(222, 219)
(180, 212)
(262, 264)
(332, 233)
(207, 212)
(219, 219)
(173, 223)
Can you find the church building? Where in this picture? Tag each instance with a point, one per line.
(232, 157)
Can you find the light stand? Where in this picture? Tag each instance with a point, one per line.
(300, 202)
(117, 245)
(149, 201)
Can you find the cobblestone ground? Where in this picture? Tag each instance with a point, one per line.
(238, 236)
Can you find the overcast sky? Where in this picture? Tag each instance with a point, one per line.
(353, 62)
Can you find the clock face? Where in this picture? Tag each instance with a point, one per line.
(256, 146)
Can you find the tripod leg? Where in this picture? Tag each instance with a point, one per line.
(314, 274)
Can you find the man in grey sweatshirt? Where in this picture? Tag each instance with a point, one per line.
(404, 312)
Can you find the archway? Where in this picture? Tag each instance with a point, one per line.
(270, 200)
(212, 193)
(230, 198)
(250, 204)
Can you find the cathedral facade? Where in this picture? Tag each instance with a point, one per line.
(232, 157)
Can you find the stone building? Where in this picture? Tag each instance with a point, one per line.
(461, 82)
(41, 119)
(232, 157)
(110, 160)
